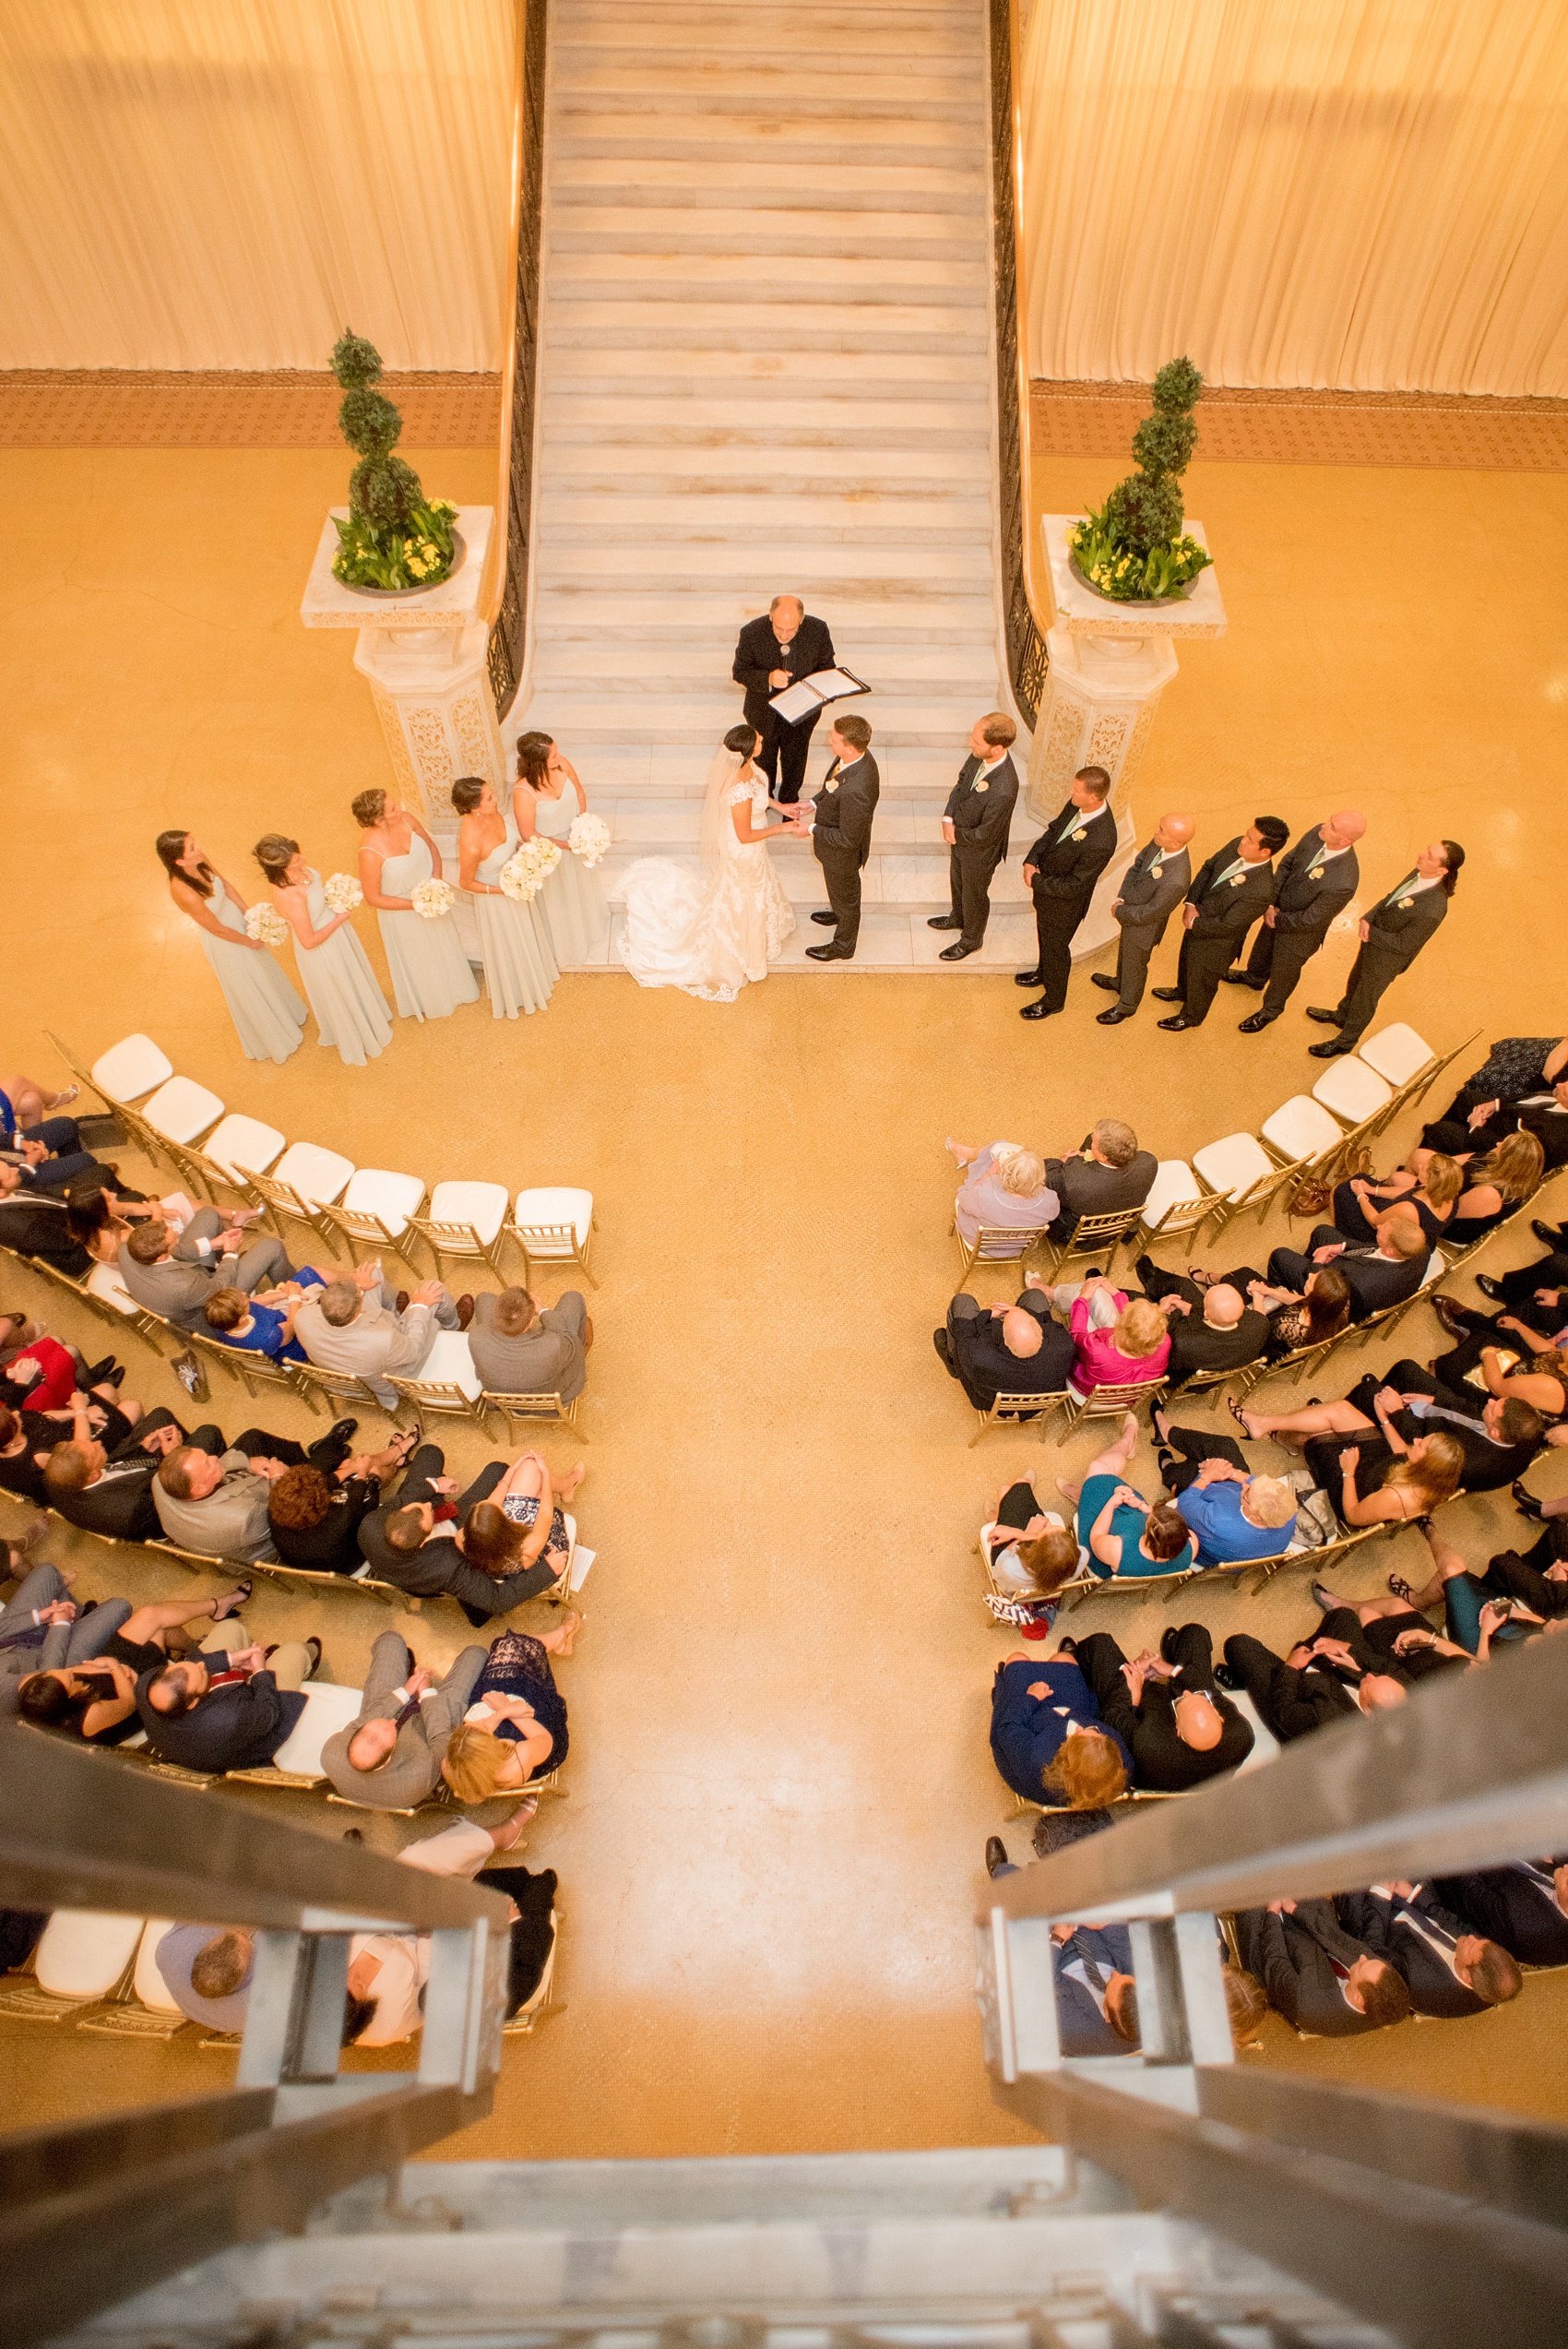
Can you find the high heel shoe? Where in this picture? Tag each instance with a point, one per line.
(231, 1607)
(1527, 1503)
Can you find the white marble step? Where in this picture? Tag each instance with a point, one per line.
(611, 515)
(781, 88)
(737, 566)
(677, 231)
(603, 418)
(646, 318)
(693, 661)
(823, 468)
(911, 612)
(583, 161)
(789, 280)
(837, 50)
(939, 126)
(693, 722)
(606, 362)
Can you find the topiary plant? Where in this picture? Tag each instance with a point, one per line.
(1133, 548)
(394, 537)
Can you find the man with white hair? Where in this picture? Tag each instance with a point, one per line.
(771, 654)
(1314, 885)
(1005, 1349)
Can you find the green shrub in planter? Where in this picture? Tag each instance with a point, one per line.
(1133, 549)
(394, 536)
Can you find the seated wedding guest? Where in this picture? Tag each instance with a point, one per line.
(226, 1709)
(38, 1224)
(93, 1694)
(1488, 1444)
(111, 1492)
(263, 1324)
(213, 1498)
(1212, 1326)
(44, 1631)
(103, 1214)
(1377, 1277)
(1047, 1738)
(1517, 1347)
(1004, 1189)
(1011, 1350)
(37, 1373)
(1297, 1323)
(1386, 1636)
(1326, 1983)
(1117, 1342)
(1537, 1292)
(1523, 1907)
(1166, 1710)
(469, 1549)
(521, 1529)
(1427, 1199)
(1321, 1681)
(1233, 1514)
(515, 1729)
(390, 1756)
(315, 1519)
(1513, 1598)
(1493, 1186)
(1096, 1997)
(520, 1347)
(1032, 1555)
(355, 1325)
(24, 1106)
(425, 1487)
(1516, 1070)
(1107, 1175)
(1123, 1534)
(1447, 1970)
(174, 1278)
(51, 1159)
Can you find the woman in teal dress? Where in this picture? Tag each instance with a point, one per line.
(266, 1010)
(351, 1010)
(1123, 1533)
(431, 975)
(548, 798)
(519, 968)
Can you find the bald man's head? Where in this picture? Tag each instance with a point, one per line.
(1344, 830)
(1021, 1334)
(1223, 1306)
(1174, 831)
(1198, 1721)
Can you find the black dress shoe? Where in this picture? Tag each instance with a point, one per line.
(956, 953)
(939, 1339)
(341, 1430)
(995, 1856)
(1041, 1010)
(1174, 1027)
(831, 953)
(1527, 1503)
(1257, 1023)
(1457, 1319)
(829, 918)
(1491, 1288)
(944, 922)
(1167, 1641)
(1104, 979)
(1225, 1679)
(1112, 1018)
(1239, 977)
(1331, 1050)
(1324, 1019)
(1028, 978)
(1166, 994)
(1550, 1234)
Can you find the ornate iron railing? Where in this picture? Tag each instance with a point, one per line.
(1023, 606)
(508, 604)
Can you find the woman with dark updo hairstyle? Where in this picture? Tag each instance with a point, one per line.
(519, 967)
(547, 798)
(430, 972)
(335, 972)
(265, 1008)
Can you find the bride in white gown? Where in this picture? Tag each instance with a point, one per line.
(709, 931)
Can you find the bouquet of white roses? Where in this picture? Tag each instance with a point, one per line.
(431, 898)
(525, 872)
(589, 838)
(266, 923)
(342, 892)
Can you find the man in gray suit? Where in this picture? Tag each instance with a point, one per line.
(1152, 888)
(1315, 883)
(212, 1498)
(975, 824)
(390, 1757)
(176, 1277)
(355, 1325)
(520, 1347)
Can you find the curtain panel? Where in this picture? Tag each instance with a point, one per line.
(1355, 195)
(228, 183)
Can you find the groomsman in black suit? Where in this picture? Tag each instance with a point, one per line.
(1153, 885)
(1394, 933)
(1314, 884)
(770, 655)
(975, 825)
(841, 835)
(1230, 893)
(1061, 871)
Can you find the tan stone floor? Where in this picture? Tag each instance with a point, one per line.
(779, 1784)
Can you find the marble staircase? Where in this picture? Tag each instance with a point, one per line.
(765, 366)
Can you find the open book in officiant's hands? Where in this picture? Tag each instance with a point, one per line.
(808, 695)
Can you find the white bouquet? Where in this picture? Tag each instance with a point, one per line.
(525, 873)
(431, 898)
(342, 892)
(265, 921)
(589, 838)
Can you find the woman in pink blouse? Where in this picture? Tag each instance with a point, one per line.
(1135, 1345)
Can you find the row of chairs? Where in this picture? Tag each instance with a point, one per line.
(362, 1207)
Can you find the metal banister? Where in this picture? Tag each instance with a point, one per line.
(504, 591)
(1026, 601)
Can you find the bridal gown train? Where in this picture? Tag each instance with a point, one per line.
(265, 1008)
(708, 935)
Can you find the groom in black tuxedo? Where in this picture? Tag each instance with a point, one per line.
(842, 836)
(1061, 871)
(770, 655)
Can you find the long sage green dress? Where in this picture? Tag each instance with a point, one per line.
(519, 968)
(264, 1007)
(573, 903)
(431, 974)
(350, 1009)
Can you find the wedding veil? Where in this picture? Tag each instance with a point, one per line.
(727, 765)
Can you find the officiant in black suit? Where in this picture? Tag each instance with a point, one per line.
(1062, 869)
(771, 654)
(975, 824)
(841, 835)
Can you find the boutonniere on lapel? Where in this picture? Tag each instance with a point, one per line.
(1156, 869)
(982, 786)
(1406, 903)
(1079, 834)
(1237, 879)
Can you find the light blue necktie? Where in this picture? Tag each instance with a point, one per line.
(1404, 885)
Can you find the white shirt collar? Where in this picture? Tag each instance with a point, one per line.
(987, 763)
(1327, 856)
(1088, 815)
(1420, 883)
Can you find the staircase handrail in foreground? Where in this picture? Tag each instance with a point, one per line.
(1025, 602)
(504, 594)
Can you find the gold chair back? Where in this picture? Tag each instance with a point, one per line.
(1011, 1247)
(515, 1409)
(460, 1240)
(1094, 1235)
(554, 1244)
(281, 1198)
(1015, 1406)
(438, 1399)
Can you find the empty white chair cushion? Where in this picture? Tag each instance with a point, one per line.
(104, 1282)
(1300, 1127)
(1266, 1745)
(482, 1206)
(242, 1141)
(1437, 1265)
(181, 1109)
(449, 1364)
(1396, 1052)
(83, 1953)
(1232, 1165)
(1174, 1185)
(390, 1198)
(555, 1206)
(1351, 1089)
(320, 1176)
(147, 1981)
(327, 1710)
(130, 1068)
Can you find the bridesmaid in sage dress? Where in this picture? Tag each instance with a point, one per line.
(265, 1008)
(519, 968)
(548, 798)
(430, 972)
(351, 1010)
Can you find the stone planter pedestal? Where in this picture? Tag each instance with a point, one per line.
(1110, 663)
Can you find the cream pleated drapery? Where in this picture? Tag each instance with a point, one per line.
(1367, 195)
(226, 183)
